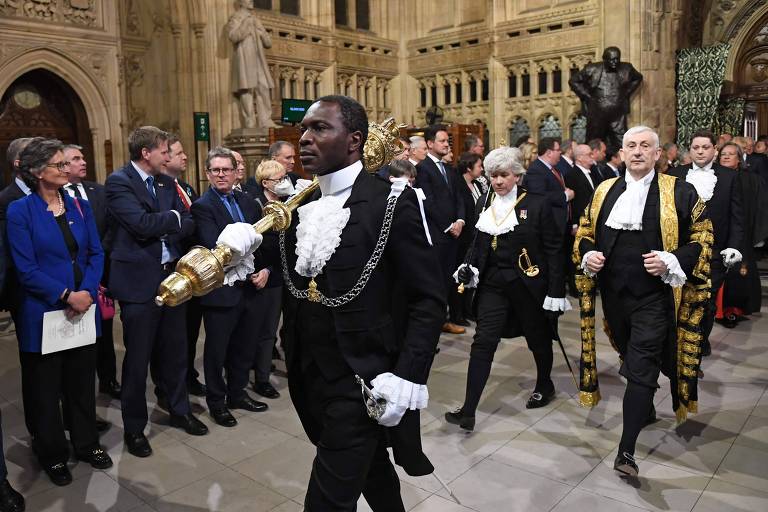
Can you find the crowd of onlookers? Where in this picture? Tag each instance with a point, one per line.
(79, 246)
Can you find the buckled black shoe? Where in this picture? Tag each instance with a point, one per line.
(189, 424)
(266, 390)
(137, 444)
(538, 399)
(625, 464)
(223, 417)
(59, 473)
(457, 417)
(11, 500)
(97, 458)
(111, 388)
(248, 404)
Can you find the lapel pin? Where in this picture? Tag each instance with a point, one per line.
(160, 185)
(523, 214)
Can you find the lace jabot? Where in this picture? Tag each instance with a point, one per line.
(627, 213)
(319, 233)
(500, 217)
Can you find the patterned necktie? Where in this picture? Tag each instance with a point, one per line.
(183, 196)
(442, 171)
(151, 186)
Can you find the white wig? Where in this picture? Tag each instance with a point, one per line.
(504, 159)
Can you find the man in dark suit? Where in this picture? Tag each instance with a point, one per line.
(10, 298)
(79, 188)
(281, 151)
(718, 188)
(175, 168)
(566, 162)
(756, 162)
(583, 185)
(444, 209)
(329, 342)
(543, 178)
(599, 171)
(149, 224)
(230, 313)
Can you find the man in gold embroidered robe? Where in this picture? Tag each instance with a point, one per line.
(645, 238)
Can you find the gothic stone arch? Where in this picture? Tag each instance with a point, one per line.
(102, 127)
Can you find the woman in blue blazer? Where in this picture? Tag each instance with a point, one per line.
(59, 260)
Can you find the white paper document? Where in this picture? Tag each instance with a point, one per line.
(61, 333)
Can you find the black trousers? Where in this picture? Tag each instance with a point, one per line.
(496, 300)
(148, 328)
(194, 320)
(46, 380)
(640, 328)
(106, 362)
(230, 348)
(269, 307)
(351, 457)
(3, 467)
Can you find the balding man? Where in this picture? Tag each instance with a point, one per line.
(418, 150)
(582, 183)
(474, 144)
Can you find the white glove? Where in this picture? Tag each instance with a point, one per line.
(400, 395)
(475, 276)
(301, 185)
(241, 238)
(731, 257)
(557, 304)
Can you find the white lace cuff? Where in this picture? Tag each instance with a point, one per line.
(240, 271)
(584, 268)
(674, 276)
(731, 257)
(400, 395)
(475, 276)
(557, 304)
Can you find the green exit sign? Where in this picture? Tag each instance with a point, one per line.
(202, 127)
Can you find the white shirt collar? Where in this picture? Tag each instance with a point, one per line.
(413, 162)
(335, 182)
(707, 167)
(570, 162)
(545, 163)
(23, 186)
(142, 174)
(434, 158)
(615, 169)
(587, 173)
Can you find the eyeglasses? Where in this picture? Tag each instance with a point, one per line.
(218, 171)
(276, 180)
(61, 166)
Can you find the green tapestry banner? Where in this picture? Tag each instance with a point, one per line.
(730, 116)
(700, 73)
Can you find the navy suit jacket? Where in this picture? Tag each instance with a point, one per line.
(138, 223)
(97, 198)
(211, 217)
(43, 263)
(540, 180)
(564, 167)
(9, 298)
(443, 204)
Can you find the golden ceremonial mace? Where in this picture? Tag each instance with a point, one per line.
(202, 270)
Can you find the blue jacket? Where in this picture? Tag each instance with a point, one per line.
(43, 263)
(138, 224)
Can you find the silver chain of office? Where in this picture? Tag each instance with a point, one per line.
(370, 266)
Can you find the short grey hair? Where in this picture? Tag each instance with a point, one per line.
(277, 147)
(220, 152)
(640, 129)
(415, 141)
(34, 158)
(73, 146)
(504, 159)
(14, 150)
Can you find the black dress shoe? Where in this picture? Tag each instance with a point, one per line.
(111, 388)
(248, 404)
(196, 388)
(189, 424)
(97, 458)
(223, 417)
(266, 390)
(538, 399)
(137, 444)
(10, 499)
(102, 425)
(625, 463)
(59, 473)
(457, 418)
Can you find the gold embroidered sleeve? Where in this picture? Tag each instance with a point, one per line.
(702, 233)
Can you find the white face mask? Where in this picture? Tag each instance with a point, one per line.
(284, 188)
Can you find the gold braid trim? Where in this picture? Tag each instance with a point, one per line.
(702, 234)
(589, 390)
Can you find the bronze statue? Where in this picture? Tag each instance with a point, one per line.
(605, 89)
